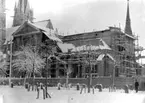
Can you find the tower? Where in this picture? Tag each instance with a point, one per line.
(22, 12)
(2, 22)
(128, 29)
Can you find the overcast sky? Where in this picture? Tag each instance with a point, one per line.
(76, 16)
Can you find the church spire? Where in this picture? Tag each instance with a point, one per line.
(22, 13)
(128, 29)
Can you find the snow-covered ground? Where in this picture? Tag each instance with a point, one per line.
(1, 99)
(21, 95)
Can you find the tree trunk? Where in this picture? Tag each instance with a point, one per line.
(89, 77)
(25, 80)
(27, 76)
(67, 77)
(46, 77)
(33, 80)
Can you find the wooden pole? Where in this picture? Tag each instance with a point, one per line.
(10, 72)
(89, 77)
(46, 76)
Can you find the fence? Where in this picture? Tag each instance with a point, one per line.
(105, 81)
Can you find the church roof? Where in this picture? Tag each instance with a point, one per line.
(95, 44)
(42, 23)
(65, 47)
(9, 32)
(120, 30)
(38, 25)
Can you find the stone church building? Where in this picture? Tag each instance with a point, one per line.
(99, 53)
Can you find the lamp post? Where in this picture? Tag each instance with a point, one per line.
(48, 60)
(46, 75)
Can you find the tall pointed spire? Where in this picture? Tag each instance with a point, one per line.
(22, 12)
(128, 29)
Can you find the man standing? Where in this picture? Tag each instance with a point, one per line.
(136, 86)
(38, 90)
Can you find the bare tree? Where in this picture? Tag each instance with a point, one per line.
(3, 64)
(29, 60)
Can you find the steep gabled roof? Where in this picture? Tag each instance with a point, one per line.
(49, 33)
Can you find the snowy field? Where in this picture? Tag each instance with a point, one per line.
(21, 95)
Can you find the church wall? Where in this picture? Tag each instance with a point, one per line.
(101, 69)
(106, 36)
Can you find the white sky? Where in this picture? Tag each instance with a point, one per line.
(85, 15)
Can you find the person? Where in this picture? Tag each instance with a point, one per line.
(38, 90)
(44, 91)
(136, 86)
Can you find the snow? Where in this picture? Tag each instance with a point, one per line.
(102, 97)
(1, 99)
(52, 36)
(65, 47)
(100, 46)
(10, 31)
(12, 95)
(110, 57)
(100, 57)
(42, 23)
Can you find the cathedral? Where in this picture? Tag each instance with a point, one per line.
(99, 53)
(22, 13)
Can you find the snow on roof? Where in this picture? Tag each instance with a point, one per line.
(40, 25)
(130, 36)
(98, 45)
(101, 45)
(101, 56)
(65, 47)
(51, 36)
(110, 57)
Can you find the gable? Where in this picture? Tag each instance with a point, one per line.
(26, 28)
